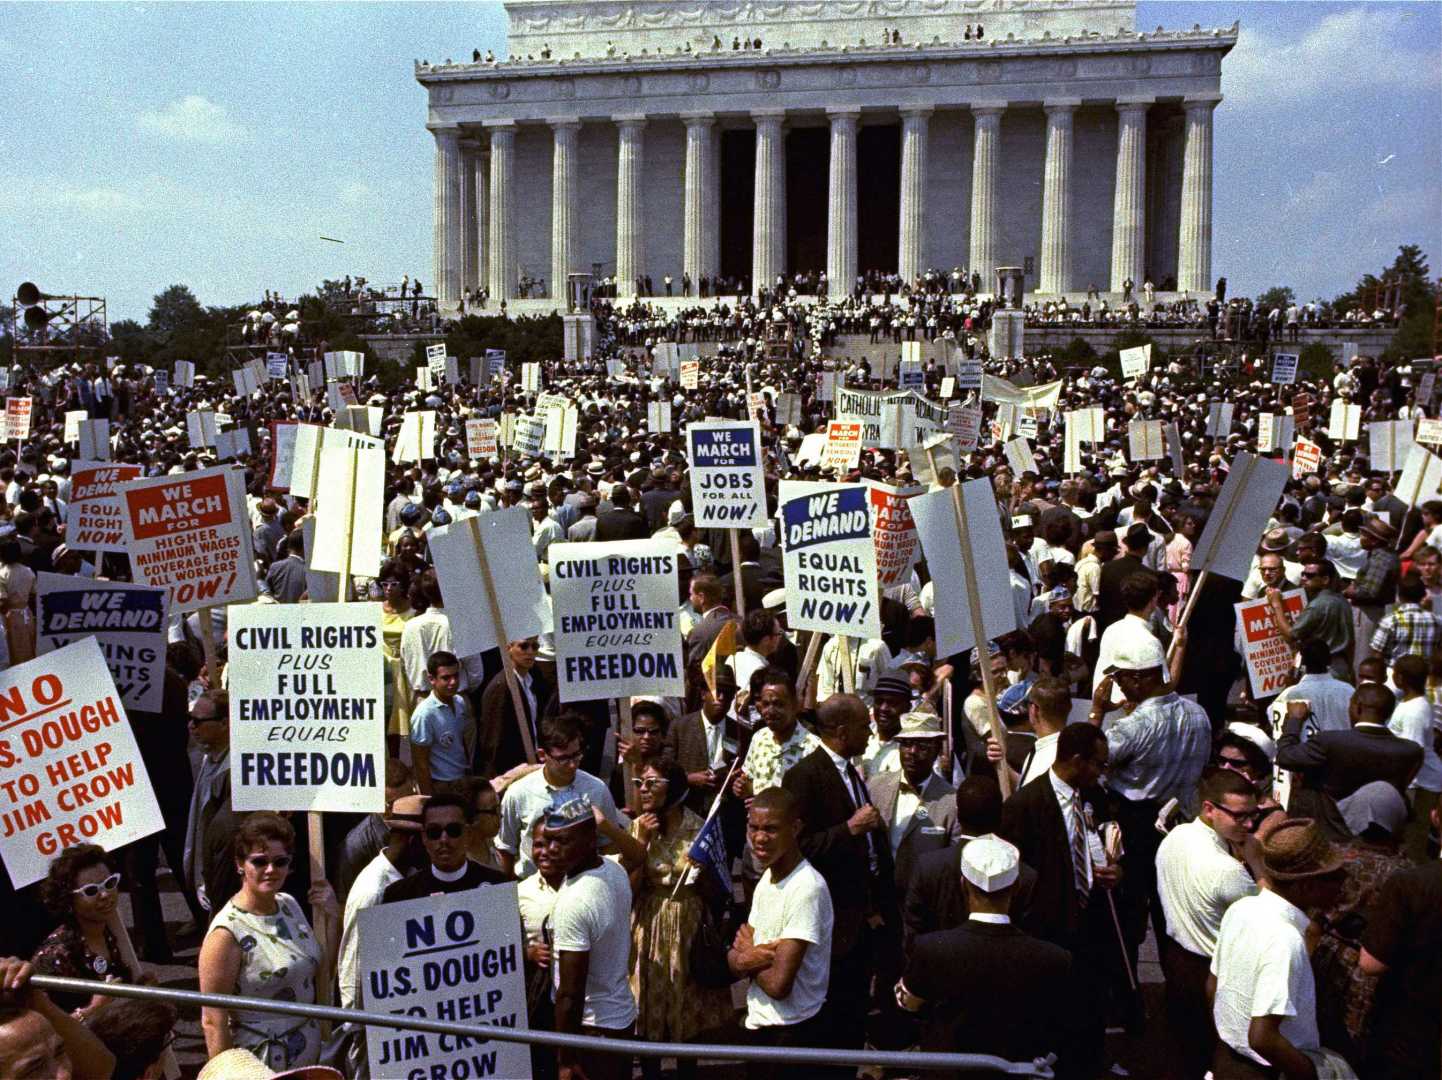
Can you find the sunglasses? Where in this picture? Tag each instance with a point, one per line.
(265, 862)
(649, 783)
(455, 830)
(95, 888)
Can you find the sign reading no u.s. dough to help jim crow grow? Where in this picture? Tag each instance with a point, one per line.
(70, 768)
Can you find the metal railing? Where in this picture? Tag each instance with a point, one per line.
(916, 1062)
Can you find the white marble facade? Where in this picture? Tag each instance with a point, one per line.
(1062, 138)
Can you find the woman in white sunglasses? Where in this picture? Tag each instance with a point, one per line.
(82, 890)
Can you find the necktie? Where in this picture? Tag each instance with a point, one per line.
(862, 798)
(1080, 856)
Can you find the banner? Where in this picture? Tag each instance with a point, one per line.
(505, 537)
(1136, 362)
(95, 508)
(892, 419)
(481, 438)
(830, 564)
(728, 484)
(128, 621)
(1269, 658)
(307, 707)
(70, 769)
(1284, 368)
(843, 447)
(191, 535)
(893, 533)
(457, 958)
(616, 630)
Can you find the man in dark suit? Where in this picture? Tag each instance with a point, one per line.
(498, 735)
(656, 500)
(1053, 822)
(698, 741)
(969, 980)
(1110, 606)
(621, 522)
(843, 837)
(1337, 763)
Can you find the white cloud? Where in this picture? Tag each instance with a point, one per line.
(1332, 58)
(356, 193)
(98, 199)
(194, 119)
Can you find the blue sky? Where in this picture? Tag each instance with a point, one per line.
(213, 144)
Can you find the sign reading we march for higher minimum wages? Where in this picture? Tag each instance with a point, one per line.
(727, 481)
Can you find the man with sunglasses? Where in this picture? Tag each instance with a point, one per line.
(1327, 616)
(1199, 875)
(499, 745)
(447, 869)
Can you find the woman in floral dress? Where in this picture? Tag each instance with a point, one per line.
(260, 945)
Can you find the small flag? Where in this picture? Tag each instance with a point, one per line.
(722, 647)
(708, 851)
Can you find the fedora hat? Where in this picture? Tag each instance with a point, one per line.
(238, 1064)
(1297, 849)
(1379, 530)
(406, 813)
(1275, 541)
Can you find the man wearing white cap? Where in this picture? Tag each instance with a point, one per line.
(969, 980)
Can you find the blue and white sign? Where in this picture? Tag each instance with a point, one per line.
(128, 622)
(728, 484)
(830, 563)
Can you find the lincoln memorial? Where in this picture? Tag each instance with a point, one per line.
(749, 140)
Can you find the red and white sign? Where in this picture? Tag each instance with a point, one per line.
(1269, 657)
(690, 374)
(893, 532)
(964, 421)
(17, 417)
(191, 534)
(843, 446)
(70, 769)
(481, 438)
(95, 509)
(1306, 458)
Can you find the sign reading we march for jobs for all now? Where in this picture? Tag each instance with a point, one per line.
(727, 482)
(70, 768)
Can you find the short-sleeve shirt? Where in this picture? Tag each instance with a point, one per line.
(592, 915)
(1262, 969)
(527, 799)
(796, 908)
(767, 761)
(444, 730)
(1198, 880)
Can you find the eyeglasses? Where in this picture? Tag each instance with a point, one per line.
(649, 783)
(454, 830)
(95, 888)
(526, 646)
(1242, 817)
(264, 862)
(565, 759)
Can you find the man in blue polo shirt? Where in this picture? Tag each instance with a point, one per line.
(443, 731)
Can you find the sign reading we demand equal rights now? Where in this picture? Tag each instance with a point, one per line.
(70, 769)
(190, 534)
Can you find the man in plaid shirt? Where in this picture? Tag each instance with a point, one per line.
(1375, 587)
(1408, 629)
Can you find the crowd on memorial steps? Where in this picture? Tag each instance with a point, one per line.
(952, 852)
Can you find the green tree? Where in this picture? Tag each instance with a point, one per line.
(1278, 296)
(1316, 362)
(174, 311)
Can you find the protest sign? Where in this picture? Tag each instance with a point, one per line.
(232, 444)
(436, 361)
(1429, 432)
(1003, 424)
(932, 457)
(127, 620)
(350, 511)
(561, 419)
(788, 410)
(531, 378)
(184, 374)
(200, 429)
(936, 526)
(1284, 368)
(503, 540)
(658, 417)
(1239, 516)
(893, 533)
(300, 387)
(70, 768)
(307, 707)
(1269, 657)
(456, 958)
(1421, 478)
(1306, 458)
(494, 363)
(161, 379)
(425, 379)
(72, 424)
(1019, 457)
(615, 369)
(811, 450)
(481, 438)
(830, 563)
(315, 374)
(690, 374)
(344, 365)
(1390, 441)
(1136, 362)
(843, 447)
(1345, 421)
(826, 386)
(1174, 449)
(305, 454)
(1144, 439)
(529, 435)
(17, 417)
(1219, 419)
(1301, 409)
(948, 387)
(728, 485)
(968, 374)
(277, 364)
(1027, 425)
(909, 375)
(616, 629)
(416, 439)
(93, 439)
(964, 422)
(191, 535)
(95, 509)
(1426, 387)
(282, 453)
(245, 381)
(1349, 353)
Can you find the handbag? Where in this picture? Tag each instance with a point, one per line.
(706, 955)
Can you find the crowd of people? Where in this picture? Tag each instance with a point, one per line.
(903, 877)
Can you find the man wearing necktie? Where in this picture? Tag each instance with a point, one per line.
(843, 836)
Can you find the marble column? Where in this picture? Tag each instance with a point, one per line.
(630, 235)
(502, 241)
(480, 237)
(768, 230)
(1056, 198)
(700, 208)
(841, 203)
(915, 127)
(1194, 240)
(985, 178)
(712, 257)
(1129, 205)
(446, 261)
(564, 213)
(470, 250)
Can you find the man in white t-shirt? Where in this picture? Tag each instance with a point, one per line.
(591, 928)
(785, 950)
